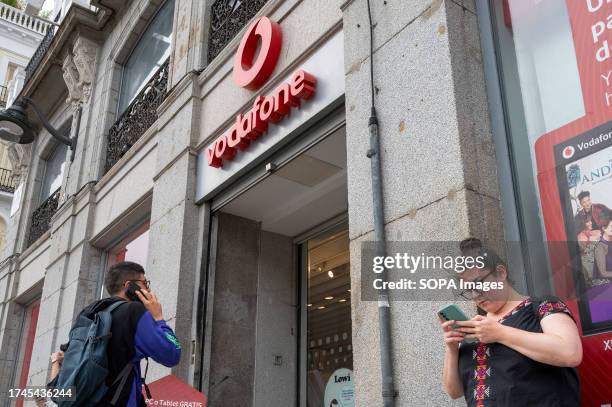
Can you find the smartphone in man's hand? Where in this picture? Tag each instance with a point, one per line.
(130, 292)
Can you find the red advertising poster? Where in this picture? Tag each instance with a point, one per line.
(574, 166)
(171, 391)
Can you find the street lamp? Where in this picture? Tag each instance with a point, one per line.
(15, 126)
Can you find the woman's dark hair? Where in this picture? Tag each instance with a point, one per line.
(473, 247)
(119, 273)
(581, 223)
(605, 221)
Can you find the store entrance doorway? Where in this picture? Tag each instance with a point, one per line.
(279, 286)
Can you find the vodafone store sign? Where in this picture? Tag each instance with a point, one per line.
(253, 124)
(297, 100)
(251, 72)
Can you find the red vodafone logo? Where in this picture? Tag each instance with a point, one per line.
(251, 72)
(568, 152)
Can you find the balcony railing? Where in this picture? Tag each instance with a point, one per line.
(7, 180)
(228, 17)
(137, 118)
(3, 96)
(41, 218)
(20, 18)
(39, 54)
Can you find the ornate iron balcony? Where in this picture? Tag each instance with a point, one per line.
(7, 181)
(227, 19)
(41, 218)
(137, 118)
(39, 54)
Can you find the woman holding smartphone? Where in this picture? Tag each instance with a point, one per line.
(526, 349)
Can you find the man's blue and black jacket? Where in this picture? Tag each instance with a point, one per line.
(135, 336)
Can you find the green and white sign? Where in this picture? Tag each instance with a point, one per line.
(340, 389)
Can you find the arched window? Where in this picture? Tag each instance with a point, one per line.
(151, 51)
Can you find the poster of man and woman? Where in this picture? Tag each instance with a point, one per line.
(589, 189)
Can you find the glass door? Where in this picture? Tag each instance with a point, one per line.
(327, 352)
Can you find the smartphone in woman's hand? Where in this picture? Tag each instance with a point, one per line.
(451, 312)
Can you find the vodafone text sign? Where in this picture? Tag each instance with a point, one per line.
(251, 72)
(254, 123)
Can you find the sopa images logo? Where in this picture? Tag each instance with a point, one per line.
(568, 152)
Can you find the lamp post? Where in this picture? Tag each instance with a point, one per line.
(15, 126)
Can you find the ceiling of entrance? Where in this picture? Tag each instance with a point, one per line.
(303, 193)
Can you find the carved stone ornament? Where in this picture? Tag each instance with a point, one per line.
(71, 77)
(85, 52)
(19, 156)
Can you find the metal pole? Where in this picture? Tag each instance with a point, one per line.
(384, 310)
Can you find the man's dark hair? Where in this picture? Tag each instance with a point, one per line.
(119, 273)
(583, 194)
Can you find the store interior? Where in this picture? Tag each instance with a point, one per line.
(299, 209)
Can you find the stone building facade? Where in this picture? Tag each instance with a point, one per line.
(20, 34)
(237, 254)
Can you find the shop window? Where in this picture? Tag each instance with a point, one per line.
(329, 338)
(147, 57)
(28, 334)
(555, 63)
(133, 247)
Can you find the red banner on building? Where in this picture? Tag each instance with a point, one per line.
(591, 22)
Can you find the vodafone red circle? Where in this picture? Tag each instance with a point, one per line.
(568, 152)
(249, 72)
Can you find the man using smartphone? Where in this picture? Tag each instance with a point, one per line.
(138, 331)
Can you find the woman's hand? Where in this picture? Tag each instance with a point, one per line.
(452, 337)
(485, 329)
